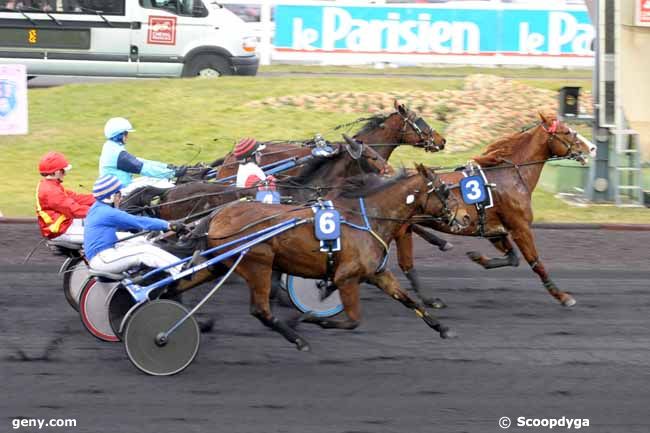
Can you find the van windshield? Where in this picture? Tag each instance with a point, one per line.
(193, 8)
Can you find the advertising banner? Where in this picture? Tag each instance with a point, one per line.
(13, 100)
(432, 33)
(643, 13)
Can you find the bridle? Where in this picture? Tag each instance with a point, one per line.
(419, 126)
(439, 188)
(553, 134)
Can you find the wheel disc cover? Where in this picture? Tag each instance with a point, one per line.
(146, 323)
(94, 309)
(306, 297)
(120, 303)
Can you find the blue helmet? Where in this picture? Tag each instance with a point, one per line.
(106, 186)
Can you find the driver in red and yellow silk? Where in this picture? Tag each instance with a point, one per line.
(58, 208)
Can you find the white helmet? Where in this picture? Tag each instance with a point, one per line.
(117, 125)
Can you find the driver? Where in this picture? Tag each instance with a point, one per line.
(249, 173)
(116, 161)
(104, 220)
(59, 210)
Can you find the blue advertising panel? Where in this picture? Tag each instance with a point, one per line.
(433, 30)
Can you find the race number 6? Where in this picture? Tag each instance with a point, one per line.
(327, 225)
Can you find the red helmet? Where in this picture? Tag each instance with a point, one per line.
(52, 162)
(246, 147)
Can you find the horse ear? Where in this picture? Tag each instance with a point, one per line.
(421, 169)
(541, 116)
(401, 108)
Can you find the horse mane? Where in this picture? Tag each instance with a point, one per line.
(367, 184)
(372, 122)
(310, 168)
(313, 167)
(503, 148)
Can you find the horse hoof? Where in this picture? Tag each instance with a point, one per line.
(205, 326)
(568, 301)
(434, 303)
(474, 256)
(302, 345)
(447, 334)
(447, 246)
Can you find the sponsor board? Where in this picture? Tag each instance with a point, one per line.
(13, 100)
(432, 33)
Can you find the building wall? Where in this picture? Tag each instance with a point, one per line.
(635, 74)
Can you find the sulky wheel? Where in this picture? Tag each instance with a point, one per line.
(145, 347)
(75, 274)
(93, 308)
(119, 304)
(306, 297)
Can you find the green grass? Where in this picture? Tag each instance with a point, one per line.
(211, 114)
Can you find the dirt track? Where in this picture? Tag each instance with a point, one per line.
(518, 353)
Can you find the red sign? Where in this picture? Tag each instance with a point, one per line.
(162, 30)
(643, 12)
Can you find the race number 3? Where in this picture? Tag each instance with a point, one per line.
(327, 223)
(473, 189)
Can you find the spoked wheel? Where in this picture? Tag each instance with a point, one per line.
(93, 309)
(146, 348)
(119, 304)
(75, 274)
(305, 295)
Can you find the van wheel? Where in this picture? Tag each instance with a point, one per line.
(207, 66)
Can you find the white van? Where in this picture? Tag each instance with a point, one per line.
(127, 38)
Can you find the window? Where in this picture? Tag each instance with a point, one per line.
(191, 8)
(105, 7)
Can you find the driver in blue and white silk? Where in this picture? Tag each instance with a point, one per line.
(116, 161)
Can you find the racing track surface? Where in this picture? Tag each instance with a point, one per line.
(519, 353)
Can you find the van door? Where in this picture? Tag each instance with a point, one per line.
(167, 28)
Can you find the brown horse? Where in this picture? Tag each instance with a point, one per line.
(388, 203)
(384, 132)
(514, 165)
(318, 176)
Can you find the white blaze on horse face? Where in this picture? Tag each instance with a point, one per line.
(410, 199)
(592, 147)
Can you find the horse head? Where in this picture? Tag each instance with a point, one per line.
(415, 130)
(565, 142)
(444, 205)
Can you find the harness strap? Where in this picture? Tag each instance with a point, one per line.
(369, 229)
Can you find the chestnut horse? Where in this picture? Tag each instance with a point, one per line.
(388, 203)
(514, 165)
(384, 132)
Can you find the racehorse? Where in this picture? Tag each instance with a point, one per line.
(386, 132)
(318, 176)
(389, 203)
(513, 165)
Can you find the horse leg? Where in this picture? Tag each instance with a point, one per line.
(427, 235)
(525, 240)
(258, 277)
(405, 259)
(503, 244)
(349, 292)
(388, 283)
